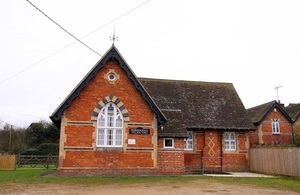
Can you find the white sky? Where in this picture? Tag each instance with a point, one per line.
(253, 44)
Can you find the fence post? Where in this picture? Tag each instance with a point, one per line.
(47, 161)
(18, 160)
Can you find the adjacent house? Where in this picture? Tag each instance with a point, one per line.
(273, 125)
(294, 112)
(114, 123)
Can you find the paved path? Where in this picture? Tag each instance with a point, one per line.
(239, 174)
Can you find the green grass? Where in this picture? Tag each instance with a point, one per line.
(39, 175)
(279, 183)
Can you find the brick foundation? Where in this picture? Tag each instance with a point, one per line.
(107, 172)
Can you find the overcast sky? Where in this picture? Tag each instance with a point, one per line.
(253, 44)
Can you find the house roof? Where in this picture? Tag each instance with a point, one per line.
(175, 126)
(258, 113)
(112, 53)
(293, 110)
(185, 104)
(203, 105)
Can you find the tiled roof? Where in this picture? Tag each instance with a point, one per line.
(175, 126)
(203, 104)
(258, 113)
(293, 111)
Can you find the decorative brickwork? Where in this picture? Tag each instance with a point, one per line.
(116, 101)
(212, 159)
(142, 150)
(78, 154)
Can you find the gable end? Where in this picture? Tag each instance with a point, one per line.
(115, 55)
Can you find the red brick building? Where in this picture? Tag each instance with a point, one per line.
(273, 125)
(294, 112)
(114, 123)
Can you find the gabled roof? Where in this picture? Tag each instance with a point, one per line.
(112, 53)
(294, 111)
(258, 113)
(203, 105)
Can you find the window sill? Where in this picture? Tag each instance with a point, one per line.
(109, 149)
(230, 151)
(168, 148)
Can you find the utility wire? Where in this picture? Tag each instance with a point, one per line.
(2, 121)
(63, 28)
(116, 19)
(16, 74)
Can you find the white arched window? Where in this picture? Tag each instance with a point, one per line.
(110, 127)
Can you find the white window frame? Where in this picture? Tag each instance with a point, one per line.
(168, 139)
(189, 141)
(110, 127)
(275, 126)
(230, 141)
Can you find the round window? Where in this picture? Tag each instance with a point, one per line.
(111, 76)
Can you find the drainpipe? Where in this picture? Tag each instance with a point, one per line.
(221, 150)
(293, 135)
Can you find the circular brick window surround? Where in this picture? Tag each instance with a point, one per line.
(111, 76)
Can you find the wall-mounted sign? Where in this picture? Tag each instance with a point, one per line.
(131, 141)
(139, 131)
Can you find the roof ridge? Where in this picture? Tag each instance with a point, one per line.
(261, 105)
(181, 81)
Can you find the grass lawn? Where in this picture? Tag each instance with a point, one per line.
(41, 175)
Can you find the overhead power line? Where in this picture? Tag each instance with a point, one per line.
(117, 18)
(27, 68)
(63, 28)
(2, 121)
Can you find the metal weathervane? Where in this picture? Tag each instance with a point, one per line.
(113, 38)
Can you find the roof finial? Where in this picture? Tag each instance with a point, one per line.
(114, 38)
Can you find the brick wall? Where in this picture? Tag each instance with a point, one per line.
(171, 160)
(79, 136)
(253, 137)
(216, 158)
(99, 87)
(212, 151)
(80, 156)
(237, 160)
(193, 159)
(264, 130)
(296, 128)
(78, 152)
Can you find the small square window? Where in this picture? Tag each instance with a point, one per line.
(168, 143)
(230, 141)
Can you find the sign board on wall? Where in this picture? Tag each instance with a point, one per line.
(131, 141)
(139, 131)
